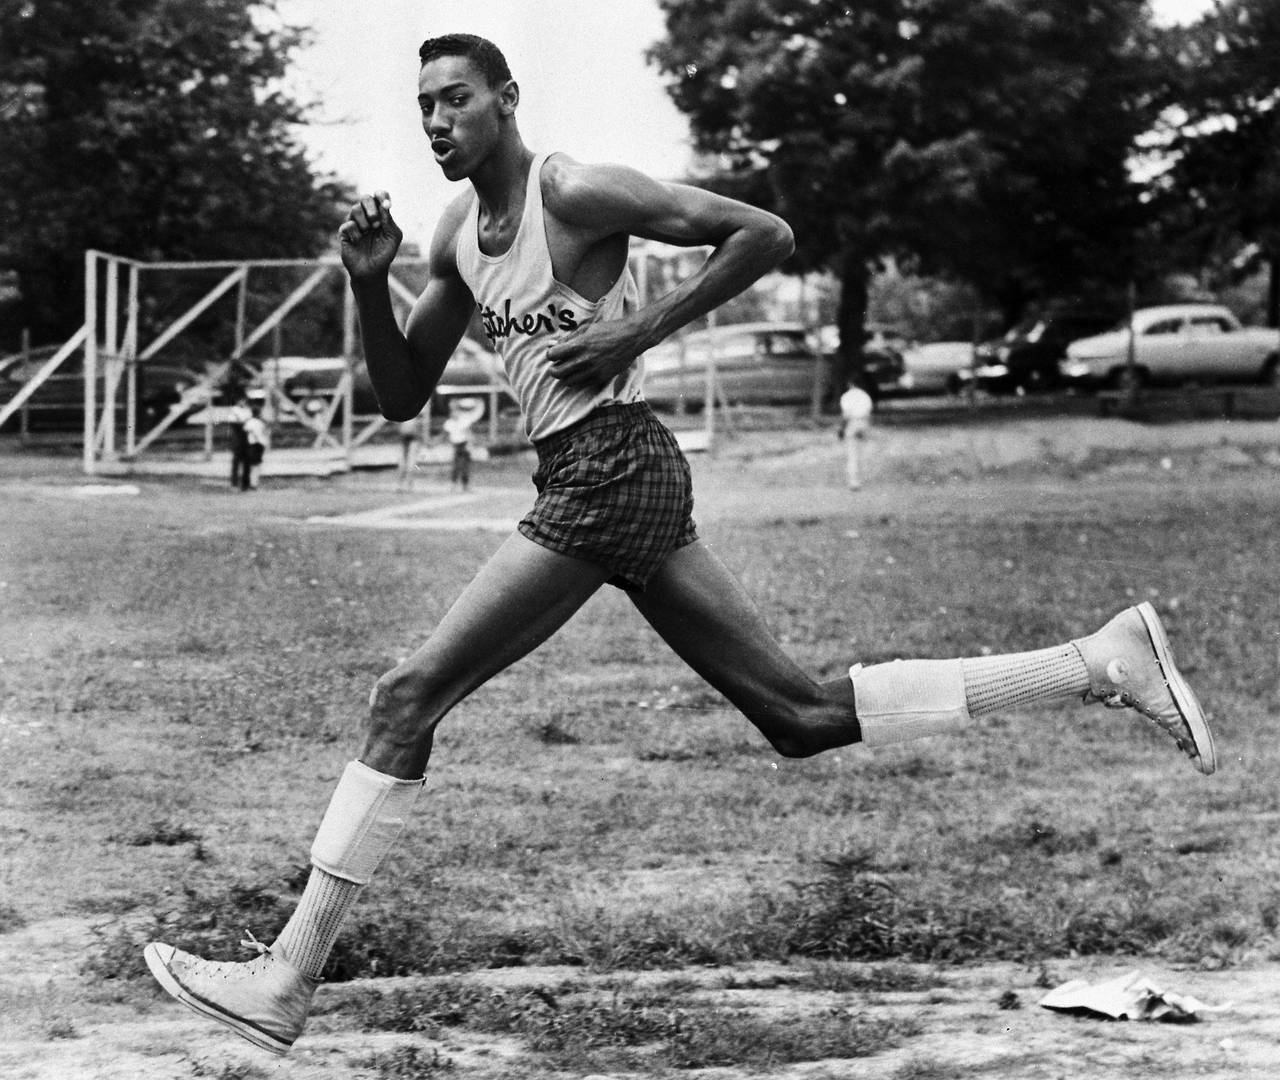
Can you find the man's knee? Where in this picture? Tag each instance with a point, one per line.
(793, 741)
(809, 724)
(399, 706)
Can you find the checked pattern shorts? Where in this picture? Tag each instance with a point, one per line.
(613, 489)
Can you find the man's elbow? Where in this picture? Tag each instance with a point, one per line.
(782, 239)
(400, 407)
(400, 412)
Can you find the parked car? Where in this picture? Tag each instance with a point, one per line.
(59, 400)
(1028, 358)
(882, 363)
(1173, 344)
(762, 363)
(312, 382)
(937, 367)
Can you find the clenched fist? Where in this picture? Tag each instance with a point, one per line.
(370, 237)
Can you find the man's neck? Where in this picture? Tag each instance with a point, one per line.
(500, 182)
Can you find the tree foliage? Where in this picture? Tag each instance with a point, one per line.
(1222, 137)
(986, 140)
(148, 128)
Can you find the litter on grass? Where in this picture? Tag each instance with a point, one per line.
(1131, 996)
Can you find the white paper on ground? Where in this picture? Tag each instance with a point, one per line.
(1131, 996)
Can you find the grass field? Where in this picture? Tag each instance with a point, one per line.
(185, 670)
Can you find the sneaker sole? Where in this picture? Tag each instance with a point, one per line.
(1183, 698)
(157, 963)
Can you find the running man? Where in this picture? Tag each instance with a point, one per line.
(538, 244)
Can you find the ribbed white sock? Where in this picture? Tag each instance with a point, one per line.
(312, 930)
(992, 683)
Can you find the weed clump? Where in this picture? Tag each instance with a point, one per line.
(856, 911)
(162, 834)
(570, 1029)
(11, 919)
(852, 910)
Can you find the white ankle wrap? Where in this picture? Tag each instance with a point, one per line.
(364, 818)
(908, 699)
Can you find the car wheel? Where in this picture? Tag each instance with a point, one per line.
(1036, 381)
(154, 409)
(1129, 378)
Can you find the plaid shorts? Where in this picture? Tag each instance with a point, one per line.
(613, 489)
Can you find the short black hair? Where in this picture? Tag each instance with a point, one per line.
(480, 51)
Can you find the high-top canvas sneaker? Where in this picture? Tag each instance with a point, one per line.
(1131, 667)
(265, 999)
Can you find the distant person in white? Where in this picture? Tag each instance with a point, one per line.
(410, 432)
(463, 413)
(855, 407)
(256, 439)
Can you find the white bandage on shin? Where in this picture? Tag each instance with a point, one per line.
(364, 818)
(908, 699)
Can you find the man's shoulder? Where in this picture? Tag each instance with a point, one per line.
(580, 193)
(563, 181)
(444, 241)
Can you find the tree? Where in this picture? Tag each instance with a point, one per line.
(152, 129)
(1220, 195)
(982, 139)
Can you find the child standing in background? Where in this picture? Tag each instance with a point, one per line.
(463, 412)
(410, 443)
(255, 434)
(855, 407)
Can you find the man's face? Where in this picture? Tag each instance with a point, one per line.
(461, 114)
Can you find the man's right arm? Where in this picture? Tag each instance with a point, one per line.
(404, 367)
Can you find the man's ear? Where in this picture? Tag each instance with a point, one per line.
(509, 96)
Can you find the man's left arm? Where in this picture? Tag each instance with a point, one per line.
(604, 200)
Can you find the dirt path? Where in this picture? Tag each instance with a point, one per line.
(973, 1021)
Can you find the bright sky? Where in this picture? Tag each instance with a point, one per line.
(1179, 11)
(585, 86)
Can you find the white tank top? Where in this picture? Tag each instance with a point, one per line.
(525, 310)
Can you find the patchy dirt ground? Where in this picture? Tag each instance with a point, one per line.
(981, 1021)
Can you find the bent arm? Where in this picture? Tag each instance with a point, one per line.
(747, 242)
(404, 367)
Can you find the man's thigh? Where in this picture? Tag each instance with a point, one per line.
(703, 612)
(519, 598)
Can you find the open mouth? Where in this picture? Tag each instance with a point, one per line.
(443, 149)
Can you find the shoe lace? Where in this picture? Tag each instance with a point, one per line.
(1113, 699)
(230, 969)
(251, 942)
(1122, 699)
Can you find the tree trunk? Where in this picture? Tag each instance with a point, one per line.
(851, 317)
(1273, 292)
